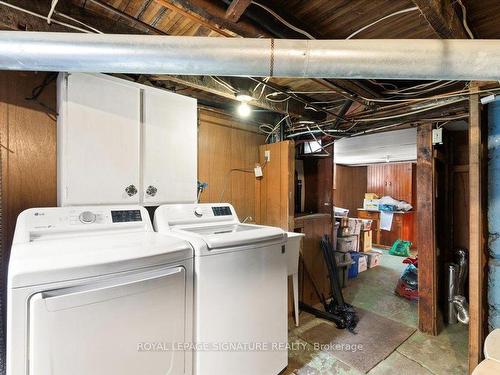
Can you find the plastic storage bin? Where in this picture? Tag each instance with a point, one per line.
(353, 270)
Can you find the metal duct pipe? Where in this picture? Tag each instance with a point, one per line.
(147, 54)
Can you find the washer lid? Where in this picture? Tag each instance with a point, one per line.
(233, 235)
(69, 258)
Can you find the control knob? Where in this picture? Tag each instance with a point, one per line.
(198, 212)
(87, 217)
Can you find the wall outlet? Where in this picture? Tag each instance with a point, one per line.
(267, 156)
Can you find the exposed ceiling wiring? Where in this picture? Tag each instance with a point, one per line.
(51, 11)
(224, 84)
(77, 21)
(414, 90)
(464, 19)
(412, 9)
(38, 15)
(283, 21)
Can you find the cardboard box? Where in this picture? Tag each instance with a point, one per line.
(371, 204)
(354, 226)
(365, 241)
(362, 263)
(373, 257)
(371, 196)
(341, 212)
(348, 243)
(366, 224)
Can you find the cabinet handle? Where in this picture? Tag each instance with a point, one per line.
(151, 191)
(131, 190)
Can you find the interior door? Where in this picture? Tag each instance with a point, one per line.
(99, 139)
(170, 148)
(111, 328)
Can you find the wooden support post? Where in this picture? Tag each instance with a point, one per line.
(426, 236)
(477, 251)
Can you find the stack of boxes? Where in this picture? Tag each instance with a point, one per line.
(355, 238)
(371, 202)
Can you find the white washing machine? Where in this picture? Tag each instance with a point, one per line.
(94, 290)
(240, 289)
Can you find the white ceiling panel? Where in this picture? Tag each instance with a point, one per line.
(393, 146)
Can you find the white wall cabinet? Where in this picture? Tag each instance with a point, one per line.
(122, 142)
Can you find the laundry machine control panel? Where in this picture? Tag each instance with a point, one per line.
(182, 214)
(39, 222)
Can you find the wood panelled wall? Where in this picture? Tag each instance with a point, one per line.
(350, 187)
(393, 179)
(28, 140)
(224, 144)
(275, 189)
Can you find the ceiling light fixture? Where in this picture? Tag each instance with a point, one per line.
(244, 110)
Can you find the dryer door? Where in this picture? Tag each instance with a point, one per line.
(124, 326)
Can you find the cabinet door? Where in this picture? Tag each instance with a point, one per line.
(98, 140)
(169, 148)
(400, 181)
(376, 179)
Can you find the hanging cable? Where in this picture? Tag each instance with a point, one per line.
(224, 84)
(51, 11)
(464, 19)
(284, 22)
(382, 19)
(34, 14)
(77, 21)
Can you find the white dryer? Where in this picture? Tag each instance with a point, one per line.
(94, 290)
(240, 289)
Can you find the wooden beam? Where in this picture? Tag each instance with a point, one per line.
(426, 236)
(236, 9)
(132, 21)
(442, 18)
(212, 16)
(477, 241)
(13, 19)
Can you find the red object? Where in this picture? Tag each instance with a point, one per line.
(413, 261)
(403, 290)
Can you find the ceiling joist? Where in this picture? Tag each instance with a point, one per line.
(209, 14)
(236, 9)
(442, 18)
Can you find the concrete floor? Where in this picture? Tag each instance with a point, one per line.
(373, 290)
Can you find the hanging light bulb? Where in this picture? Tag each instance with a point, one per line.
(244, 110)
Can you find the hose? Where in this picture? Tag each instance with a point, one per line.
(462, 309)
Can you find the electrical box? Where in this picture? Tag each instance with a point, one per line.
(437, 136)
